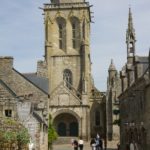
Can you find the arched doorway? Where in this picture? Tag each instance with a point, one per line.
(66, 125)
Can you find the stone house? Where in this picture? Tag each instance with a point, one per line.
(22, 100)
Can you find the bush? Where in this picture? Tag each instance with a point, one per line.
(52, 134)
(12, 131)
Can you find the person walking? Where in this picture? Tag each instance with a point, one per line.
(101, 143)
(97, 144)
(81, 143)
(132, 146)
(93, 144)
(75, 145)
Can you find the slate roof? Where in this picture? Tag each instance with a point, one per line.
(40, 82)
(8, 88)
(144, 60)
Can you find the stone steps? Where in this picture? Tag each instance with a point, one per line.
(64, 140)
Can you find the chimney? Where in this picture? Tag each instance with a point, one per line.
(6, 65)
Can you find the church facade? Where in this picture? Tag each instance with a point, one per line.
(75, 104)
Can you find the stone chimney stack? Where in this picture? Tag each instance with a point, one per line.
(6, 65)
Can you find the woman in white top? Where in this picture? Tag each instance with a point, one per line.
(81, 142)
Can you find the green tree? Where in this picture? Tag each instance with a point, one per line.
(23, 137)
(52, 134)
(12, 131)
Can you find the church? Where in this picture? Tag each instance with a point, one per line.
(76, 106)
(63, 85)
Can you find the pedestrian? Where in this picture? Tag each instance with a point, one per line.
(136, 146)
(75, 145)
(97, 136)
(81, 143)
(72, 141)
(100, 144)
(132, 147)
(97, 144)
(93, 144)
(118, 146)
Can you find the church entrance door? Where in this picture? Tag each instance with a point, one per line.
(66, 125)
(62, 129)
(73, 129)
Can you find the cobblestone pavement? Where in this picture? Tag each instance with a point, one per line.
(69, 147)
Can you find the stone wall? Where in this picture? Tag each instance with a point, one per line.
(132, 106)
(146, 116)
(7, 101)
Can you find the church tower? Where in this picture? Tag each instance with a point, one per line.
(76, 106)
(67, 55)
(67, 31)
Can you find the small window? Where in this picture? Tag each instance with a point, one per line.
(8, 113)
(60, 44)
(83, 29)
(67, 76)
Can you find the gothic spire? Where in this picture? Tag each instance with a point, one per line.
(130, 22)
(112, 66)
(130, 36)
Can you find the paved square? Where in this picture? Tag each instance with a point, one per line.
(70, 147)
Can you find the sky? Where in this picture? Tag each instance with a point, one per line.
(22, 33)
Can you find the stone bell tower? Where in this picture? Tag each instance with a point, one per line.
(67, 31)
(67, 54)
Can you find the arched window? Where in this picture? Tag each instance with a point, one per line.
(61, 33)
(97, 118)
(67, 76)
(75, 32)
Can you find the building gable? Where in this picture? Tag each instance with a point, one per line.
(63, 96)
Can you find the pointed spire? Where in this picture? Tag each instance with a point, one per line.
(130, 36)
(130, 22)
(112, 66)
(130, 30)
